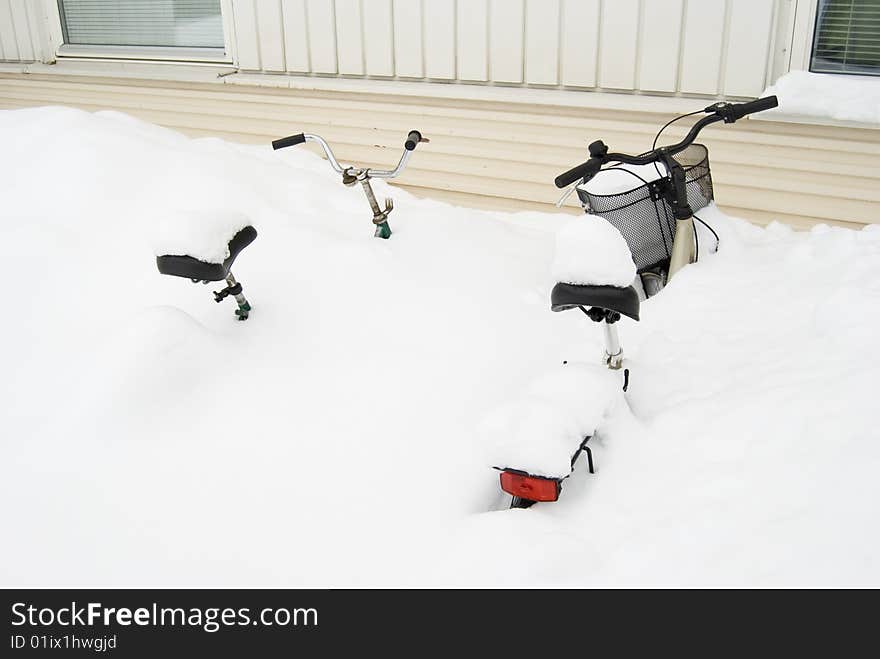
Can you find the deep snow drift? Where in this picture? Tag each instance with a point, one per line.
(150, 439)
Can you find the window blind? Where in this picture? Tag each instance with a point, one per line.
(168, 23)
(847, 37)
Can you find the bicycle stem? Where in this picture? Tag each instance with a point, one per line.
(380, 217)
(350, 175)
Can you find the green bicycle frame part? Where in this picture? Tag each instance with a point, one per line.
(382, 230)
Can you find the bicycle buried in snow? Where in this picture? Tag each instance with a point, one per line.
(352, 175)
(184, 264)
(656, 220)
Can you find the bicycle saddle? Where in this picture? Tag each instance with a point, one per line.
(192, 268)
(570, 296)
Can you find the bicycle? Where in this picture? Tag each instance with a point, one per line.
(243, 233)
(683, 183)
(352, 175)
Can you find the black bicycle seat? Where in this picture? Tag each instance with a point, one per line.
(571, 296)
(192, 268)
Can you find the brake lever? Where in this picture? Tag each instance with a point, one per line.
(724, 110)
(565, 195)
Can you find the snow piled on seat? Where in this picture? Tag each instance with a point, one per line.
(202, 234)
(590, 251)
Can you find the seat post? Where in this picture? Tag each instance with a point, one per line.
(244, 306)
(235, 289)
(613, 351)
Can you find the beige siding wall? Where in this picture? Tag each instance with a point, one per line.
(499, 154)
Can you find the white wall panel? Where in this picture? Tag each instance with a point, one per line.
(619, 36)
(19, 13)
(408, 56)
(349, 37)
(748, 47)
(580, 42)
(473, 39)
(659, 44)
(296, 36)
(270, 35)
(39, 31)
(378, 37)
(439, 32)
(542, 42)
(7, 33)
(322, 35)
(703, 44)
(245, 16)
(506, 31)
(686, 47)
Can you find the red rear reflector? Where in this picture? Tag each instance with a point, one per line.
(533, 488)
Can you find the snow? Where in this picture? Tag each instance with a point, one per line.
(622, 178)
(590, 251)
(202, 234)
(560, 409)
(334, 439)
(827, 96)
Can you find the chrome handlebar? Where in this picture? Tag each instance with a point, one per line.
(353, 175)
(412, 140)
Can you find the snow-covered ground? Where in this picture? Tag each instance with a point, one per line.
(333, 439)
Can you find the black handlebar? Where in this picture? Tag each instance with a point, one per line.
(293, 140)
(585, 170)
(730, 112)
(412, 140)
(726, 112)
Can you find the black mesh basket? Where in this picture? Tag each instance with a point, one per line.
(643, 215)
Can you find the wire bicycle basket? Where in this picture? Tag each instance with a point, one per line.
(643, 215)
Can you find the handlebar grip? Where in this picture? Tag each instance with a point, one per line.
(586, 169)
(293, 140)
(759, 105)
(412, 140)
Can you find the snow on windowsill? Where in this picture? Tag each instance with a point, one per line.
(825, 99)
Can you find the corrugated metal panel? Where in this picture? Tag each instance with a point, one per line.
(500, 155)
(670, 46)
(710, 47)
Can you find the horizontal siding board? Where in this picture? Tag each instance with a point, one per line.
(761, 169)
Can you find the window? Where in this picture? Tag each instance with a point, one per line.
(190, 24)
(847, 37)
